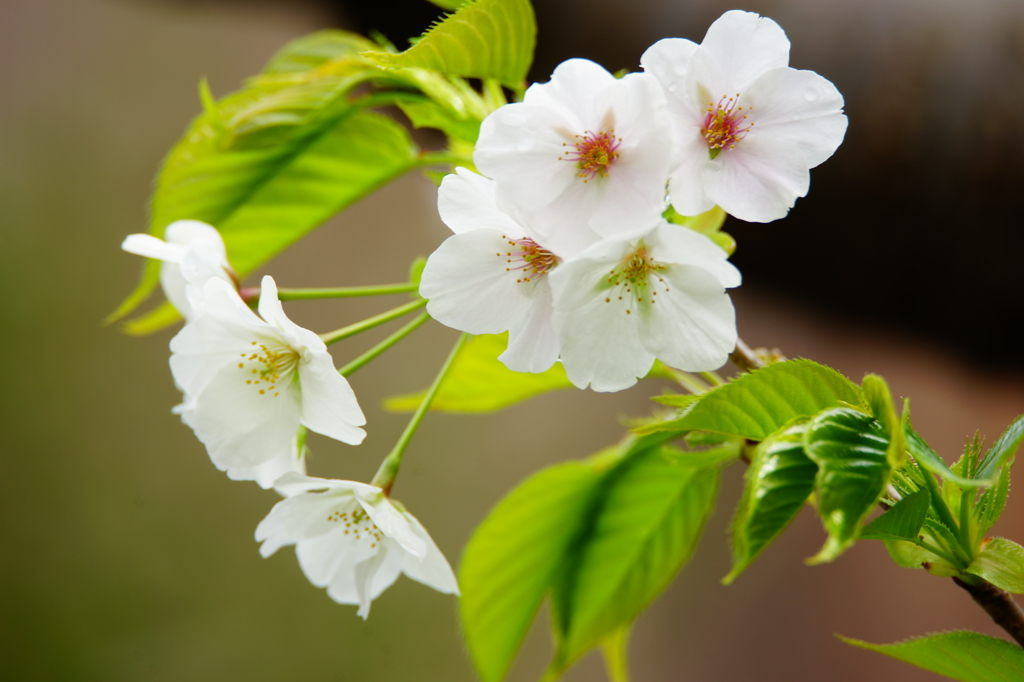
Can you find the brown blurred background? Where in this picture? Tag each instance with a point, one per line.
(127, 556)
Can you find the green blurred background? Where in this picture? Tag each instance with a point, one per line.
(127, 556)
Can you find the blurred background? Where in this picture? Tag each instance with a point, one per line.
(127, 556)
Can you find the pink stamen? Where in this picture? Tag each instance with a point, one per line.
(593, 154)
(723, 126)
(532, 259)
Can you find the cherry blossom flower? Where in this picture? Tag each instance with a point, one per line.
(659, 294)
(748, 128)
(186, 243)
(491, 276)
(352, 539)
(585, 149)
(251, 381)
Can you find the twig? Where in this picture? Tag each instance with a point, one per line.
(999, 605)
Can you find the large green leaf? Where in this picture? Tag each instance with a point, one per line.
(1001, 562)
(513, 556)
(1002, 450)
(779, 481)
(478, 382)
(961, 655)
(650, 517)
(482, 39)
(903, 521)
(762, 402)
(850, 449)
(879, 400)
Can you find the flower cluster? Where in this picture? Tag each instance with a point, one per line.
(562, 241)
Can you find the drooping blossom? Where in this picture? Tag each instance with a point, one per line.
(658, 294)
(250, 381)
(491, 276)
(748, 128)
(207, 258)
(352, 539)
(584, 150)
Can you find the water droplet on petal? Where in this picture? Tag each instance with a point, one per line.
(811, 95)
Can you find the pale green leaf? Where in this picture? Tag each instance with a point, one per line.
(512, 558)
(1001, 451)
(426, 113)
(850, 449)
(879, 400)
(761, 402)
(993, 501)
(779, 481)
(1001, 562)
(708, 224)
(650, 517)
(930, 461)
(960, 655)
(903, 521)
(449, 4)
(482, 39)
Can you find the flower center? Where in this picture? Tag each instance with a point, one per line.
(528, 259)
(593, 153)
(266, 366)
(633, 282)
(358, 524)
(725, 124)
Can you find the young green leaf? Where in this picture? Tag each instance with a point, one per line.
(1001, 451)
(647, 525)
(961, 655)
(779, 481)
(930, 461)
(762, 402)
(426, 113)
(482, 39)
(990, 505)
(513, 556)
(903, 521)
(708, 224)
(879, 399)
(850, 449)
(1001, 562)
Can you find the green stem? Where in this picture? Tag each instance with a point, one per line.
(442, 158)
(370, 323)
(616, 654)
(688, 381)
(346, 292)
(966, 520)
(365, 358)
(939, 504)
(713, 378)
(388, 471)
(952, 560)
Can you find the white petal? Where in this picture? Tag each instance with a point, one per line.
(295, 484)
(271, 311)
(299, 518)
(432, 569)
(800, 108)
(331, 559)
(532, 341)
(677, 244)
(266, 473)
(392, 522)
(185, 232)
(329, 405)
(466, 202)
(577, 86)
(372, 577)
(149, 246)
(759, 180)
(470, 286)
(685, 185)
(239, 426)
(745, 46)
(693, 325)
(667, 60)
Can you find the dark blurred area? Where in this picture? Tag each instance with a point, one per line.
(127, 556)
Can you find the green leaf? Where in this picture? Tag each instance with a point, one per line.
(426, 113)
(761, 402)
(930, 461)
(903, 521)
(478, 382)
(267, 164)
(649, 520)
(1001, 562)
(960, 655)
(1002, 450)
(449, 4)
(512, 558)
(879, 399)
(779, 481)
(708, 224)
(720, 456)
(990, 506)
(482, 39)
(850, 449)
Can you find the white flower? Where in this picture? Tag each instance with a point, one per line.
(587, 148)
(628, 301)
(491, 276)
(249, 383)
(351, 539)
(748, 128)
(191, 252)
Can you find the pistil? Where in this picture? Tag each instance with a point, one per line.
(594, 153)
(725, 124)
(528, 259)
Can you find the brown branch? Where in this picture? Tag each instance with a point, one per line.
(999, 605)
(745, 358)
